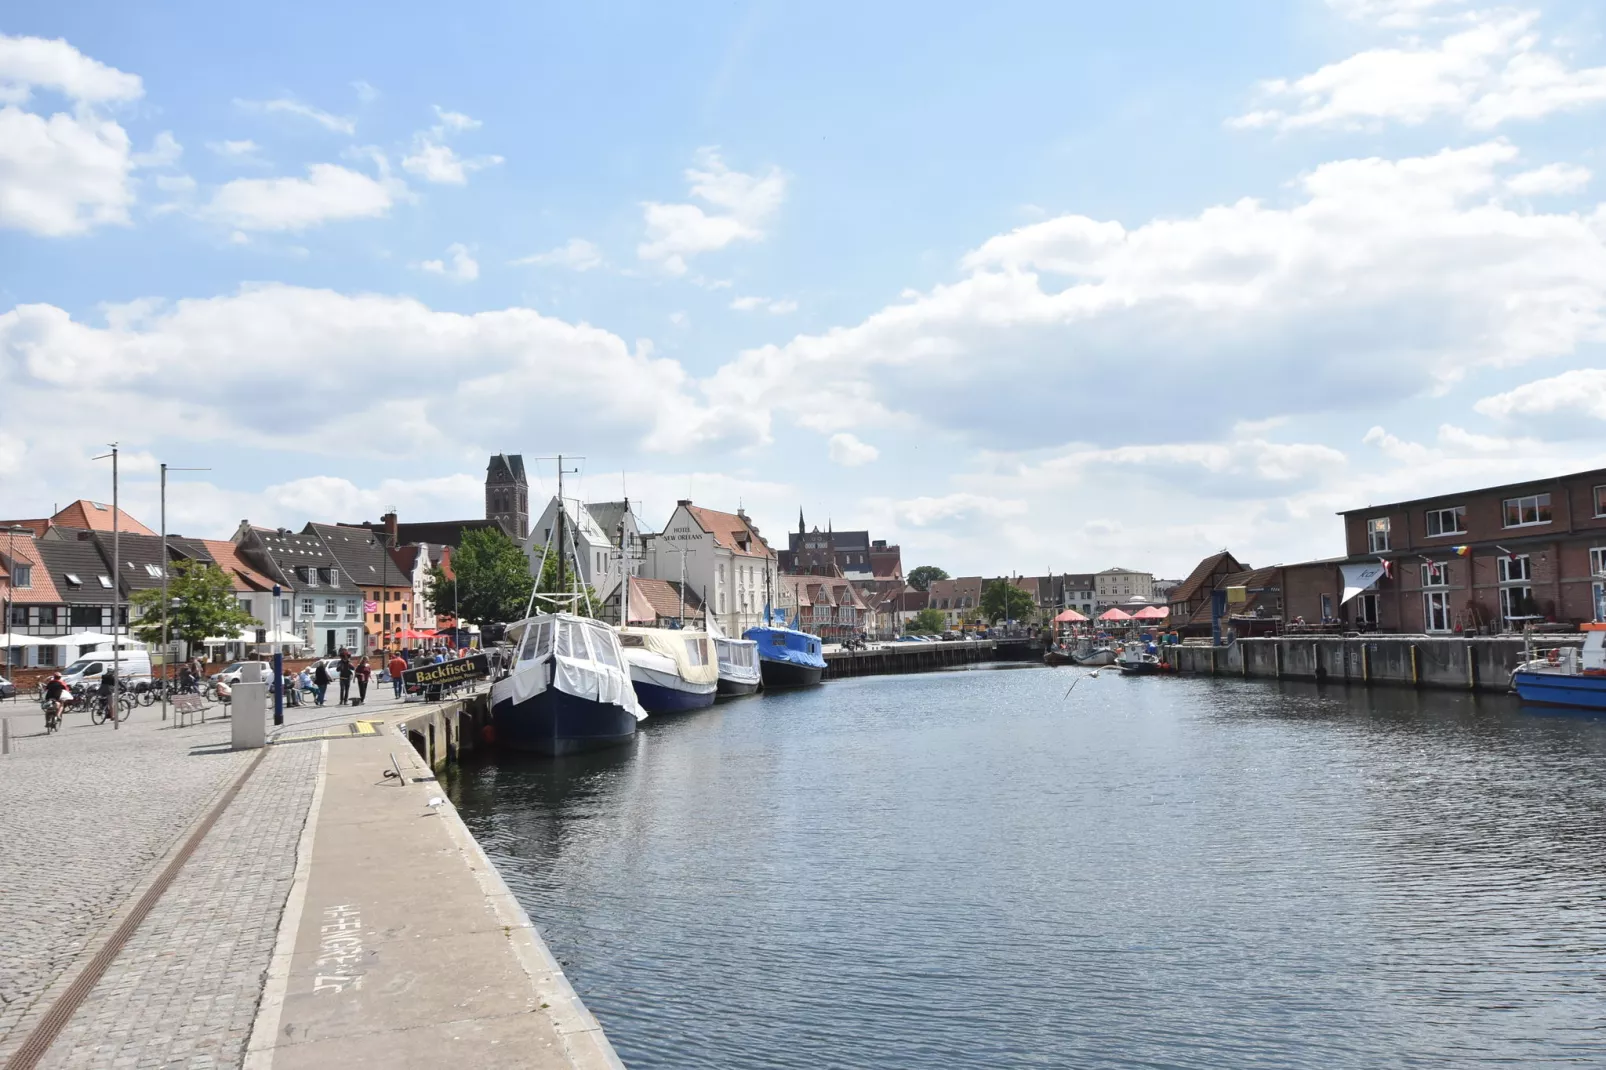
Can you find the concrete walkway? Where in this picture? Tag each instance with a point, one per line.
(330, 915)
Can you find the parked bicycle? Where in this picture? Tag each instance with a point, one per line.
(101, 707)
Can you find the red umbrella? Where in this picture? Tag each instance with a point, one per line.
(1114, 614)
(1070, 616)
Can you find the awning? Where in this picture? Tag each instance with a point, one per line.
(76, 639)
(1152, 613)
(1115, 614)
(1070, 616)
(1358, 578)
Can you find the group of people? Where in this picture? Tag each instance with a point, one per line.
(315, 679)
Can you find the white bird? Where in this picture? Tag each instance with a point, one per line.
(435, 800)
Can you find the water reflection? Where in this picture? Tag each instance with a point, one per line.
(972, 869)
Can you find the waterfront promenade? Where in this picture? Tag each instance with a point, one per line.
(303, 908)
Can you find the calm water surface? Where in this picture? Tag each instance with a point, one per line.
(971, 869)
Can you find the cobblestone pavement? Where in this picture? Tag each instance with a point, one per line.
(86, 815)
(184, 990)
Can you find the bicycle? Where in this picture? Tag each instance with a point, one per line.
(52, 716)
(100, 709)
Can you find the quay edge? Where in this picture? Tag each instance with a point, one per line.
(1444, 662)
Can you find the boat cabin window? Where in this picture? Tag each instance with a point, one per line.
(571, 644)
(696, 652)
(537, 641)
(633, 640)
(602, 650)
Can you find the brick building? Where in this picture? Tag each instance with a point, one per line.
(1479, 560)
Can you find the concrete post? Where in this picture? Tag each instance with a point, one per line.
(249, 714)
(5, 735)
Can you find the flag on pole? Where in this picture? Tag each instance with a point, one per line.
(1461, 551)
(370, 607)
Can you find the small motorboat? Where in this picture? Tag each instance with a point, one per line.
(788, 657)
(739, 673)
(1565, 676)
(1135, 661)
(673, 669)
(568, 689)
(1093, 658)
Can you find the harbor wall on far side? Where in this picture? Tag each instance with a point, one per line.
(1465, 664)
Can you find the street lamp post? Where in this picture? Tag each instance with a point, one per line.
(117, 591)
(167, 642)
(11, 586)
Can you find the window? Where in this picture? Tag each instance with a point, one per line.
(1436, 574)
(47, 656)
(284, 608)
(105, 581)
(1600, 501)
(85, 617)
(351, 609)
(1366, 609)
(22, 575)
(331, 608)
(307, 609)
(1327, 607)
(47, 616)
(72, 579)
(351, 639)
(1452, 521)
(1377, 535)
(1597, 561)
(153, 571)
(1533, 509)
(1516, 602)
(1516, 569)
(308, 576)
(697, 651)
(1436, 611)
(19, 616)
(245, 604)
(327, 577)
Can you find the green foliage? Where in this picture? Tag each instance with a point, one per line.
(493, 581)
(927, 622)
(920, 578)
(204, 606)
(1001, 600)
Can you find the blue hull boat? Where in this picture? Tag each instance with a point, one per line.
(657, 698)
(554, 724)
(1555, 689)
(787, 657)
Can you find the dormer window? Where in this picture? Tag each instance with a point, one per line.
(154, 571)
(22, 575)
(326, 576)
(73, 580)
(106, 582)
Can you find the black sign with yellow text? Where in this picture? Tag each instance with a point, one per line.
(447, 673)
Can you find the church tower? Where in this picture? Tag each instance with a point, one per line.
(507, 494)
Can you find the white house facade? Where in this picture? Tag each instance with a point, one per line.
(720, 555)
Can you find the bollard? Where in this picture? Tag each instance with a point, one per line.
(249, 710)
(5, 735)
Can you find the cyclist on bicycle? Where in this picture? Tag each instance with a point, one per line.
(55, 687)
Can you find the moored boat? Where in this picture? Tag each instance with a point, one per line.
(787, 657)
(1094, 658)
(673, 669)
(1566, 676)
(567, 691)
(739, 673)
(1135, 661)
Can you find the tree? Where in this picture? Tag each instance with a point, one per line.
(202, 606)
(495, 581)
(927, 622)
(920, 578)
(1001, 599)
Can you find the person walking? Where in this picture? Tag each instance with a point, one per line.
(320, 681)
(397, 666)
(362, 673)
(345, 671)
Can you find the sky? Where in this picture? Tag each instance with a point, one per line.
(1024, 287)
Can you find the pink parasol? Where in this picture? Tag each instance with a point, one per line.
(1070, 616)
(1114, 614)
(1152, 613)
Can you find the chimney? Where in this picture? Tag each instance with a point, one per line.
(683, 501)
(389, 520)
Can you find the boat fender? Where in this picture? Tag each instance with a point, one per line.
(1555, 657)
(488, 734)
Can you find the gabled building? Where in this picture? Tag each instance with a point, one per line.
(83, 515)
(383, 594)
(660, 603)
(327, 608)
(852, 554)
(1115, 586)
(722, 554)
(826, 606)
(1191, 594)
(958, 600)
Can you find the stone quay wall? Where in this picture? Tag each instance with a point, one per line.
(1464, 664)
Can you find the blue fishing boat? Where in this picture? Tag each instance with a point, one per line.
(568, 690)
(1565, 676)
(786, 656)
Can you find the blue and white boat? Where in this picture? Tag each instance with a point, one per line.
(739, 673)
(1566, 676)
(568, 690)
(673, 669)
(786, 656)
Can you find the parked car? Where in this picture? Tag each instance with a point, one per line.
(910, 639)
(232, 672)
(7, 688)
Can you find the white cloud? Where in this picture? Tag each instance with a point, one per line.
(577, 254)
(351, 361)
(1396, 13)
(927, 511)
(848, 451)
(288, 106)
(1409, 272)
(245, 150)
(1555, 178)
(328, 193)
(1570, 404)
(462, 266)
(435, 161)
(165, 151)
(29, 63)
(65, 173)
(778, 307)
(366, 94)
(1488, 69)
(742, 204)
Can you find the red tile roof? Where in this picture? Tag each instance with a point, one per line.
(727, 529)
(97, 516)
(228, 559)
(656, 599)
(43, 590)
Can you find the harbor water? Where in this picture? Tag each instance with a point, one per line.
(975, 869)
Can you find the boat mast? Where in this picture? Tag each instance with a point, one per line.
(562, 509)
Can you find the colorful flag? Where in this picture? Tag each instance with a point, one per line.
(1388, 567)
(370, 607)
(1461, 551)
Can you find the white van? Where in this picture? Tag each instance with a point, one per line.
(88, 669)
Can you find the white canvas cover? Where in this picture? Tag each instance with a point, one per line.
(688, 652)
(738, 659)
(1358, 578)
(585, 656)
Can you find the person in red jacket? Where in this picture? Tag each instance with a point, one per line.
(396, 667)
